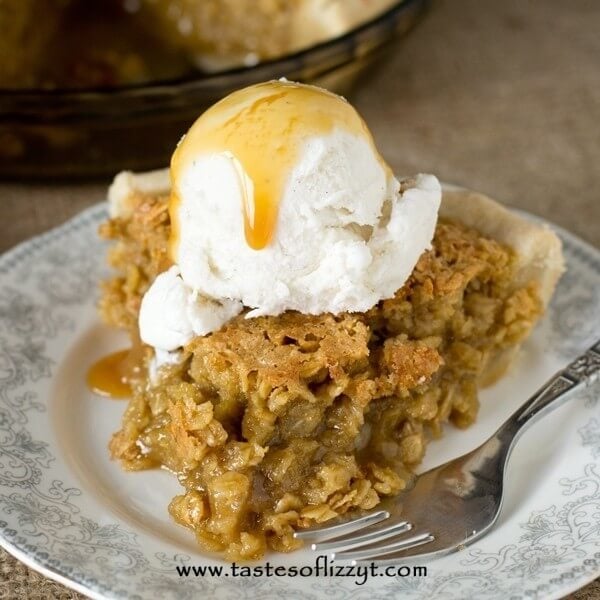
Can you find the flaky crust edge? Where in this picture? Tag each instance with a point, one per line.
(537, 247)
(127, 183)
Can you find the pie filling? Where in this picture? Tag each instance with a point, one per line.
(273, 424)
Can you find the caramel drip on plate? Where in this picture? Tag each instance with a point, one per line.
(110, 376)
(262, 128)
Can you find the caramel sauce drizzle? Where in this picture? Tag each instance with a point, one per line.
(111, 376)
(108, 376)
(263, 127)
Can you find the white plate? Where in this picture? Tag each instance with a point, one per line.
(69, 512)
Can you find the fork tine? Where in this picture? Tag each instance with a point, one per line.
(364, 539)
(324, 533)
(377, 551)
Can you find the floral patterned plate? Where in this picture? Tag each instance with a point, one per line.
(69, 512)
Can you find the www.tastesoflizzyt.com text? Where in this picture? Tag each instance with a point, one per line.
(323, 567)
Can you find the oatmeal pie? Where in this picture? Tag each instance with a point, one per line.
(282, 422)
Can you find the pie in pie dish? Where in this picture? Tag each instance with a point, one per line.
(277, 422)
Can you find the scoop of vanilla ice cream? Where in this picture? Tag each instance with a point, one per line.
(171, 312)
(346, 236)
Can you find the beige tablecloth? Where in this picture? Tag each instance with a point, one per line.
(501, 96)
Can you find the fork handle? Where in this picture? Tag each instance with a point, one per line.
(582, 372)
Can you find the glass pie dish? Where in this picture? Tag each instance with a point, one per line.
(59, 133)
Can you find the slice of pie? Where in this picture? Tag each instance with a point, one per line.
(276, 423)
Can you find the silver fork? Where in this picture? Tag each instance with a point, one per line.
(456, 503)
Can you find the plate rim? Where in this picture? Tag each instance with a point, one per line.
(92, 215)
